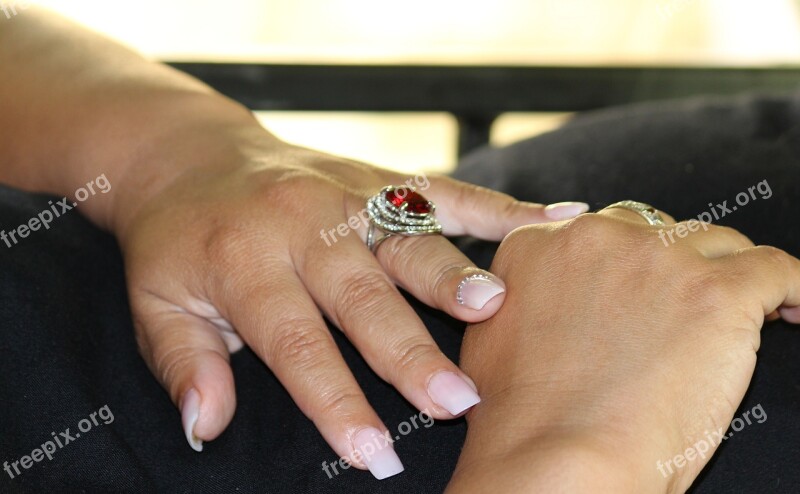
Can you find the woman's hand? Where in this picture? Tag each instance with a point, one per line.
(231, 236)
(256, 246)
(614, 353)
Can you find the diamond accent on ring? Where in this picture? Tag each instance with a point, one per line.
(459, 291)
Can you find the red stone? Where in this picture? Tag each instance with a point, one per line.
(417, 203)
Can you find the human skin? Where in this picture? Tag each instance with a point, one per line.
(597, 367)
(202, 195)
(219, 223)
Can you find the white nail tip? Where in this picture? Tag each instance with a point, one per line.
(565, 210)
(476, 290)
(190, 412)
(377, 453)
(452, 393)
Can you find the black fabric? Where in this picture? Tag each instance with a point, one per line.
(67, 347)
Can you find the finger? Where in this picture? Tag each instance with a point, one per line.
(467, 209)
(358, 296)
(710, 240)
(773, 275)
(438, 274)
(790, 314)
(188, 355)
(279, 321)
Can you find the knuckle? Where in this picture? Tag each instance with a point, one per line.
(517, 247)
(362, 293)
(517, 239)
(442, 275)
(400, 252)
(511, 208)
(288, 185)
(225, 242)
(594, 227)
(298, 182)
(774, 255)
(299, 345)
(169, 365)
(724, 229)
(733, 233)
(403, 255)
(600, 238)
(339, 402)
(501, 205)
(278, 194)
(466, 192)
(410, 353)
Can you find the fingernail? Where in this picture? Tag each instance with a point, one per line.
(377, 453)
(476, 290)
(190, 412)
(565, 210)
(452, 393)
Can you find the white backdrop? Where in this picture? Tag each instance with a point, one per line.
(567, 32)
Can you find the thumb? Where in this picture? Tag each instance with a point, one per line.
(189, 356)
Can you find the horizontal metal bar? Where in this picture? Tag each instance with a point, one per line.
(473, 92)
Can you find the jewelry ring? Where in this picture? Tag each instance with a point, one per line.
(399, 210)
(646, 211)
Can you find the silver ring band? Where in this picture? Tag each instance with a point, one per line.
(646, 211)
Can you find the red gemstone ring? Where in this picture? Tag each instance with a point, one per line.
(399, 210)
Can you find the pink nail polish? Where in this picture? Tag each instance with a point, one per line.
(476, 290)
(452, 393)
(190, 412)
(565, 210)
(376, 451)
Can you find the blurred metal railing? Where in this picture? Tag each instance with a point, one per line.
(475, 95)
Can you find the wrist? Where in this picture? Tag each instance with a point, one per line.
(506, 458)
(547, 464)
(555, 433)
(197, 136)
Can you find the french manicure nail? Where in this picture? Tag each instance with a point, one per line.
(377, 453)
(476, 290)
(190, 412)
(565, 210)
(452, 393)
